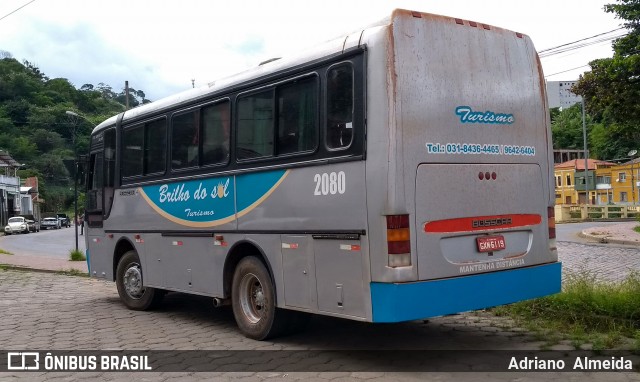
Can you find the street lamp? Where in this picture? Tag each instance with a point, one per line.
(74, 119)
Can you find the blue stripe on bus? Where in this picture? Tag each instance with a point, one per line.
(412, 301)
(88, 261)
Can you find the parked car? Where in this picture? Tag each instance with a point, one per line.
(32, 222)
(47, 223)
(64, 220)
(16, 224)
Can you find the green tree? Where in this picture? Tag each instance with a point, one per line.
(612, 88)
(566, 128)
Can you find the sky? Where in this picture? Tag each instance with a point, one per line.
(160, 46)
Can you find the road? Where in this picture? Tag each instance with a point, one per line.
(55, 312)
(76, 313)
(569, 232)
(46, 243)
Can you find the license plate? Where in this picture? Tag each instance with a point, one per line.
(490, 243)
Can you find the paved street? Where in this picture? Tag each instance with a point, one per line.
(56, 312)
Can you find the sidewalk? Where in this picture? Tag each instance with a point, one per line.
(46, 264)
(622, 233)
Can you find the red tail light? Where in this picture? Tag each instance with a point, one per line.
(551, 212)
(398, 240)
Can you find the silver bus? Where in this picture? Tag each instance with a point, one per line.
(398, 173)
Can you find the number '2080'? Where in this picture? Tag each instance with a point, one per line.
(330, 183)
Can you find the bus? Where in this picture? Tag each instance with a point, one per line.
(400, 172)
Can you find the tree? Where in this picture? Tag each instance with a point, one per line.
(566, 128)
(612, 87)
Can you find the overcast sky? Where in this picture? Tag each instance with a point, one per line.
(160, 46)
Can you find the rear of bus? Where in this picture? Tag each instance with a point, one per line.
(466, 206)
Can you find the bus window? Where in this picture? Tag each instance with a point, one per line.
(255, 126)
(184, 140)
(340, 106)
(132, 155)
(154, 148)
(215, 134)
(297, 117)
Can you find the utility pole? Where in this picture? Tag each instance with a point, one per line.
(126, 94)
(586, 156)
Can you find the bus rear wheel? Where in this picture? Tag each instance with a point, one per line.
(132, 291)
(254, 301)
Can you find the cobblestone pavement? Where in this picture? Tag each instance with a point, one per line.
(45, 311)
(603, 262)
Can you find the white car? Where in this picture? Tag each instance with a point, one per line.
(17, 224)
(47, 223)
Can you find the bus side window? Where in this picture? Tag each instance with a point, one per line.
(255, 126)
(155, 147)
(297, 117)
(109, 169)
(184, 140)
(340, 106)
(132, 142)
(215, 134)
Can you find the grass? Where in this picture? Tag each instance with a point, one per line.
(72, 272)
(2, 251)
(637, 228)
(76, 255)
(587, 311)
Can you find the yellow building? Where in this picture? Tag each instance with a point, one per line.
(571, 185)
(625, 181)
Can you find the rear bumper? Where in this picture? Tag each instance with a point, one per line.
(412, 301)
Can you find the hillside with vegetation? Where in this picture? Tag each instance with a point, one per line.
(37, 131)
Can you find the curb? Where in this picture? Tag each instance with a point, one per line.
(23, 268)
(607, 240)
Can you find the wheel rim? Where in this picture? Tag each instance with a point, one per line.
(252, 298)
(132, 281)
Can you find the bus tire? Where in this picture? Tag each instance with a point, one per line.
(253, 300)
(130, 287)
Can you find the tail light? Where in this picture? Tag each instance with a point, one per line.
(398, 241)
(551, 213)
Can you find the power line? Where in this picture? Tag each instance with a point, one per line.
(12, 12)
(564, 71)
(586, 38)
(579, 44)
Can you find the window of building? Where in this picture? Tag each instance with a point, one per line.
(568, 180)
(559, 181)
(340, 106)
(622, 176)
(623, 196)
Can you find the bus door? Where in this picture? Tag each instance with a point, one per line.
(100, 186)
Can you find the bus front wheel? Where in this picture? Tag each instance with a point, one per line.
(132, 291)
(254, 301)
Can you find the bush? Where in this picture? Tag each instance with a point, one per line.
(76, 255)
(586, 307)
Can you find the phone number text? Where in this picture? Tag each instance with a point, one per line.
(475, 148)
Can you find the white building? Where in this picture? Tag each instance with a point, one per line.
(560, 95)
